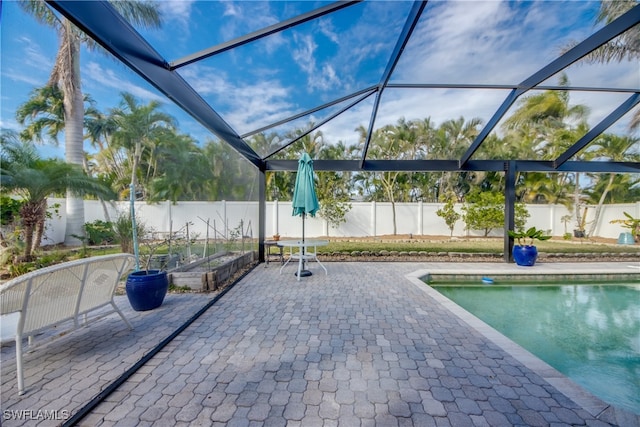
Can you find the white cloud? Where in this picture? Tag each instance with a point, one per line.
(98, 78)
(245, 106)
(328, 30)
(32, 58)
(303, 52)
(178, 11)
(33, 55)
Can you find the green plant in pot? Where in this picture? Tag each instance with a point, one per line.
(146, 288)
(525, 253)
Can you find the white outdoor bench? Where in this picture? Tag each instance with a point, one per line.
(49, 296)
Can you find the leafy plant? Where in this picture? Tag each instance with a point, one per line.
(99, 232)
(485, 211)
(633, 224)
(447, 212)
(528, 236)
(123, 231)
(335, 211)
(10, 210)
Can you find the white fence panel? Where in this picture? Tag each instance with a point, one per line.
(363, 220)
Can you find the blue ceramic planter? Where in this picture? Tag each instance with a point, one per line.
(146, 289)
(625, 239)
(525, 255)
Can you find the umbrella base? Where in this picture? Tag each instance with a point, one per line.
(304, 273)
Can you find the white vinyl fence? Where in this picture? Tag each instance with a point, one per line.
(365, 219)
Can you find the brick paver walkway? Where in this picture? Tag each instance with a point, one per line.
(363, 346)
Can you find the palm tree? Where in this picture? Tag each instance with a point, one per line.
(25, 174)
(42, 113)
(543, 121)
(626, 46)
(452, 138)
(616, 149)
(182, 171)
(400, 141)
(66, 76)
(141, 129)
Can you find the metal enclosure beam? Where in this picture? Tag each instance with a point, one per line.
(109, 29)
(368, 91)
(322, 122)
(262, 212)
(509, 207)
(453, 166)
(624, 108)
(272, 29)
(407, 30)
(591, 43)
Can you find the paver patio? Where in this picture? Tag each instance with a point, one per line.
(366, 345)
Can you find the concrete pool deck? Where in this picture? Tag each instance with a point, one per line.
(368, 344)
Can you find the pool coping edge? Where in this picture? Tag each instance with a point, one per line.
(585, 399)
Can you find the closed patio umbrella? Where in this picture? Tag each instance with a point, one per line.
(305, 201)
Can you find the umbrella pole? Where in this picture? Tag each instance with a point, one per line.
(304, 272)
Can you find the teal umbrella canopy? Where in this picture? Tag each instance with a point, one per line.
(305, 201)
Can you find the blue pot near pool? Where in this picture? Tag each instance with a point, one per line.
(626, 239)
(525, 255)
(146, 289)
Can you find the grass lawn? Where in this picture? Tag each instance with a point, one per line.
(431, 244)
(472, 245)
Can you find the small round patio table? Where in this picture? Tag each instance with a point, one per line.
(307, 251)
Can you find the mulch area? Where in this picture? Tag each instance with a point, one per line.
(415, 256)
(466, 257)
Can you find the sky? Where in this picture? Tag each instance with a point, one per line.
(484, 42)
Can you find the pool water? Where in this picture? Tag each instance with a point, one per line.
(590, 333)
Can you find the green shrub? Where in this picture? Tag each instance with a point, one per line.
(100, 232)
(9, 210)
(123, 230)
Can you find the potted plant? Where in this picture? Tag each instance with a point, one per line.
(525, 253)
(581, 220)
(146, 288)
(633, 224)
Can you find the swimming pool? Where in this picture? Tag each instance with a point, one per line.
(588, 332)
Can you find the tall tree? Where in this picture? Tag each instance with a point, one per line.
(399, 141)
(549, 124)
(616, 149)
(233, 176)
(141, 128)
(182, 171)
(42, 114)
(66, 75)
(333, 187)
(625, 46)
(451, 140)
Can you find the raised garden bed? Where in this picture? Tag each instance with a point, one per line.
(209, 274)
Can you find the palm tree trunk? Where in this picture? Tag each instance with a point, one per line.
(30, 213)
(576, 198)
(107, 217)
(38, 233)
(600, 203)
(40, 215)
(74, 150)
